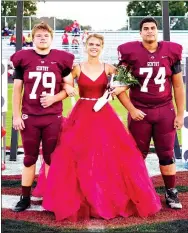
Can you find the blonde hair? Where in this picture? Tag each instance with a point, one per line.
(95, 35)
(43, 26)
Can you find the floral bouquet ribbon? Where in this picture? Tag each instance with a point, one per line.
(123, 77)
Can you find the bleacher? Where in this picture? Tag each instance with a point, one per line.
(112, 40)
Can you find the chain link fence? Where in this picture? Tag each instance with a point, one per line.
(131, 23)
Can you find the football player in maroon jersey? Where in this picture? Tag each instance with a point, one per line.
(151, 112)
(39, 73)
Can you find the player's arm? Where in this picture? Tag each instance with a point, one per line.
(67, 80)
(18, 123)
(66, 74)
(68, 85)
(47, 100)
(179, 94)
(135, 113)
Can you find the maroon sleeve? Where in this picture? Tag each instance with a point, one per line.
(175, 51)
(125, 51)
(17, 59)
(67, 63)
(123, 54)
(68, 59)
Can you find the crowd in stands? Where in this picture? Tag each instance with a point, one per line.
(75, 30)
(74, 41)
(26, 41)
(6, 31)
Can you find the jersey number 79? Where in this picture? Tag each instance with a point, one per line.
(43, 76)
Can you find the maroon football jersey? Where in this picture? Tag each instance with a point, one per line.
(153, 70)
(41, 75)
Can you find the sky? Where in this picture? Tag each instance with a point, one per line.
(99, 15)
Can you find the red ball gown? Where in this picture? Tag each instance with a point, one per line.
(96, 168)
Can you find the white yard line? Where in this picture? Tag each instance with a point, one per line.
(9, 201)
(16, 167)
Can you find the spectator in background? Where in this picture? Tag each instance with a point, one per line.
(28, 40)
(85, 36)
(14, 29)
(13, 40)
(65, 40)
(10, 72)
(68, 28)
(76, 28)
(23, 41)
(5, 31)
(75, 43)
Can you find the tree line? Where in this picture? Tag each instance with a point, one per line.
(134, 8)
(8, 8)
(154, 8)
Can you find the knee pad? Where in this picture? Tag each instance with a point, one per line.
(166, 155)
(48, 147)
(30, 160)
(31, 149)
(167, 161)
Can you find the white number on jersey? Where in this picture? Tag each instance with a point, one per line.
(159, 79)
(43, 76)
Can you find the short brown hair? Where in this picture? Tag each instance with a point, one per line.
(148, 19)
(43, 26)
(98, 36)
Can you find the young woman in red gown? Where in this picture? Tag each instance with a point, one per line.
(96, 169)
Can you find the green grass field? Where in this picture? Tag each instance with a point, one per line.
(67, 108)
